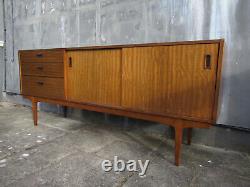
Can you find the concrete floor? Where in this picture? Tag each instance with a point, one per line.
(67, 152)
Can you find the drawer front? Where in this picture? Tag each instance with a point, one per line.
(43, 87)
(43, 69)
(54, 56)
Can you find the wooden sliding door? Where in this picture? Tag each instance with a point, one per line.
(94, 76)
(170, 80)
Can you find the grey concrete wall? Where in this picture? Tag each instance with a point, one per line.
(1, 49)
(1, 21)
(1, 71)
(63, 23)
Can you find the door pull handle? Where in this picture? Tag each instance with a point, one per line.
(70, 62)
(207, 63)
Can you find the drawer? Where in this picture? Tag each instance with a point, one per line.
(43, 87)
(53, 55)
(43, 69)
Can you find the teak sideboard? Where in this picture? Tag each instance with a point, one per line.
(175, 83)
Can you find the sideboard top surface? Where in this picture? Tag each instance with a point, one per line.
(134, 45)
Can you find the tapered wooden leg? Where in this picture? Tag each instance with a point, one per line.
(178, 142)
(65, 109)
(34, 111)
(189, 136)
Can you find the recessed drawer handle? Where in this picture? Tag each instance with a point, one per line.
(40, 83)
(40, 68)
(39, 55)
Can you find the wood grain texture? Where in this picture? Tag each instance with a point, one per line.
(218, 80)
(43, 69)
(34, 110)
(163, 82)
(170, 80)
(43, 87)
(132, 45)
(178, 142)
(169, 121)
(65, 64)
(48, 56)
(95, 77)
(145, 45)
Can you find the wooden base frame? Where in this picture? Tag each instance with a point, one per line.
(178, 124)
